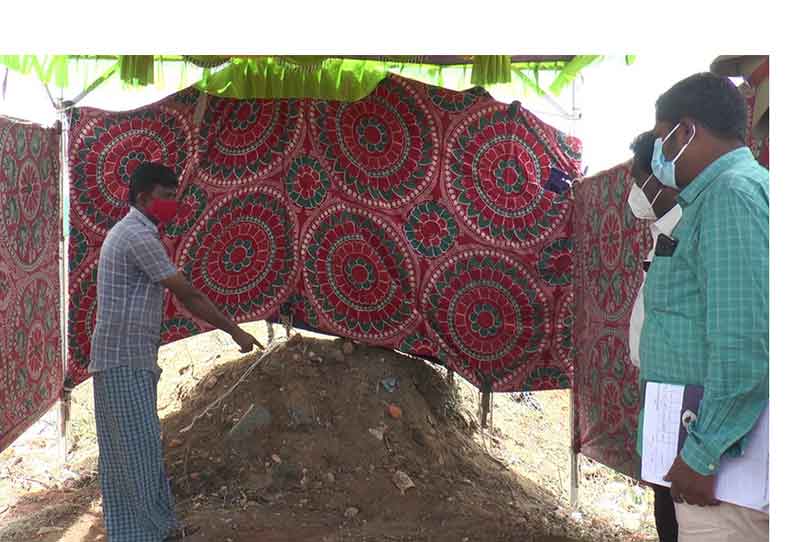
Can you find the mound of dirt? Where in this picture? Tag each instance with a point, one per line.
(329, 441)
(332, 447)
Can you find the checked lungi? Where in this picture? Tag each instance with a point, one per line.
(136, 497)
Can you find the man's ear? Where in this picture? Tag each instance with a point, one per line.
(688, 127)
(142, 199)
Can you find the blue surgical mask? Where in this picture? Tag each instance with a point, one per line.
(664, 169)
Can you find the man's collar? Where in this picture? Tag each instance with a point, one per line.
(145, 220)
(711, 172)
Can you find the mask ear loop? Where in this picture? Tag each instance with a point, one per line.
(658, 193)
(668, 136)
(671, 133)
(677, 156)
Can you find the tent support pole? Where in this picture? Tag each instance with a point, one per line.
(577, 114)
(90, 88)
(574, 457)
(486, 404)
(63, 260)
(561, 111)
(573, 116)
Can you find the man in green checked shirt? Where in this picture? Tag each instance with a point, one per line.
(707, 295)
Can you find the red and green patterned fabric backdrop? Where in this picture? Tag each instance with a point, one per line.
(610, 247)
(413, 219)
(31, 366)
(759, 146)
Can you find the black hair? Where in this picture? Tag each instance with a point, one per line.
(713, 101)
(642, 147)
(147, 176)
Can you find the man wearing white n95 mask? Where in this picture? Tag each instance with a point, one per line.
(651, 200)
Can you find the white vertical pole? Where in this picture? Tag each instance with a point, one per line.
(574, 111)
(574, 458)
(576, 115)
(63, 255)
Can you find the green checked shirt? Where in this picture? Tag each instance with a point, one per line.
(707, 306)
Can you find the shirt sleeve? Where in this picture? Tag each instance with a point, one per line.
(733, 269)
(149, 255)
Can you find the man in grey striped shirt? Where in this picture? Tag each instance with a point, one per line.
(134, 270)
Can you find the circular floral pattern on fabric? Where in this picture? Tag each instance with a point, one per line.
(452, 101)
(301, 311)
(358, 275)
(7, 286)
(611, 354)
(548, 378)
(485, 310)
(555, 264)
(29, 214)
(495, 166)
(192, 205)
(245, 140)
(8, 165)
(107, 150)
(176, 329)
(307, 182)
(611, 238)
(590, 395)
(78, 249)
(563, 330)
(383, 149)
(431, 229)
(569, 145)
(82, 318)
(611, 406)
(242, 252)
(612, 384)
(40, 350)
(20, 142)
(630, 399)
(75, 115)
(35, 143)
(422, 346)
(188, 96)
(30, 185)
(35, 345)
(613, 249)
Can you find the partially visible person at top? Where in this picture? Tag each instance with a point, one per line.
(650, 200)
(134, 269)
(707, 297)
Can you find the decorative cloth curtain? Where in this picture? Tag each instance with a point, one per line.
(414, 219)
(610, 248)
(31, 366)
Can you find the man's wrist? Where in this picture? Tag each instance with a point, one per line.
(697, 456)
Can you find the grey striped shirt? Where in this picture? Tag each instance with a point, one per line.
(129, 311)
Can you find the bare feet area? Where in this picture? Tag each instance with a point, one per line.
(329, 441)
